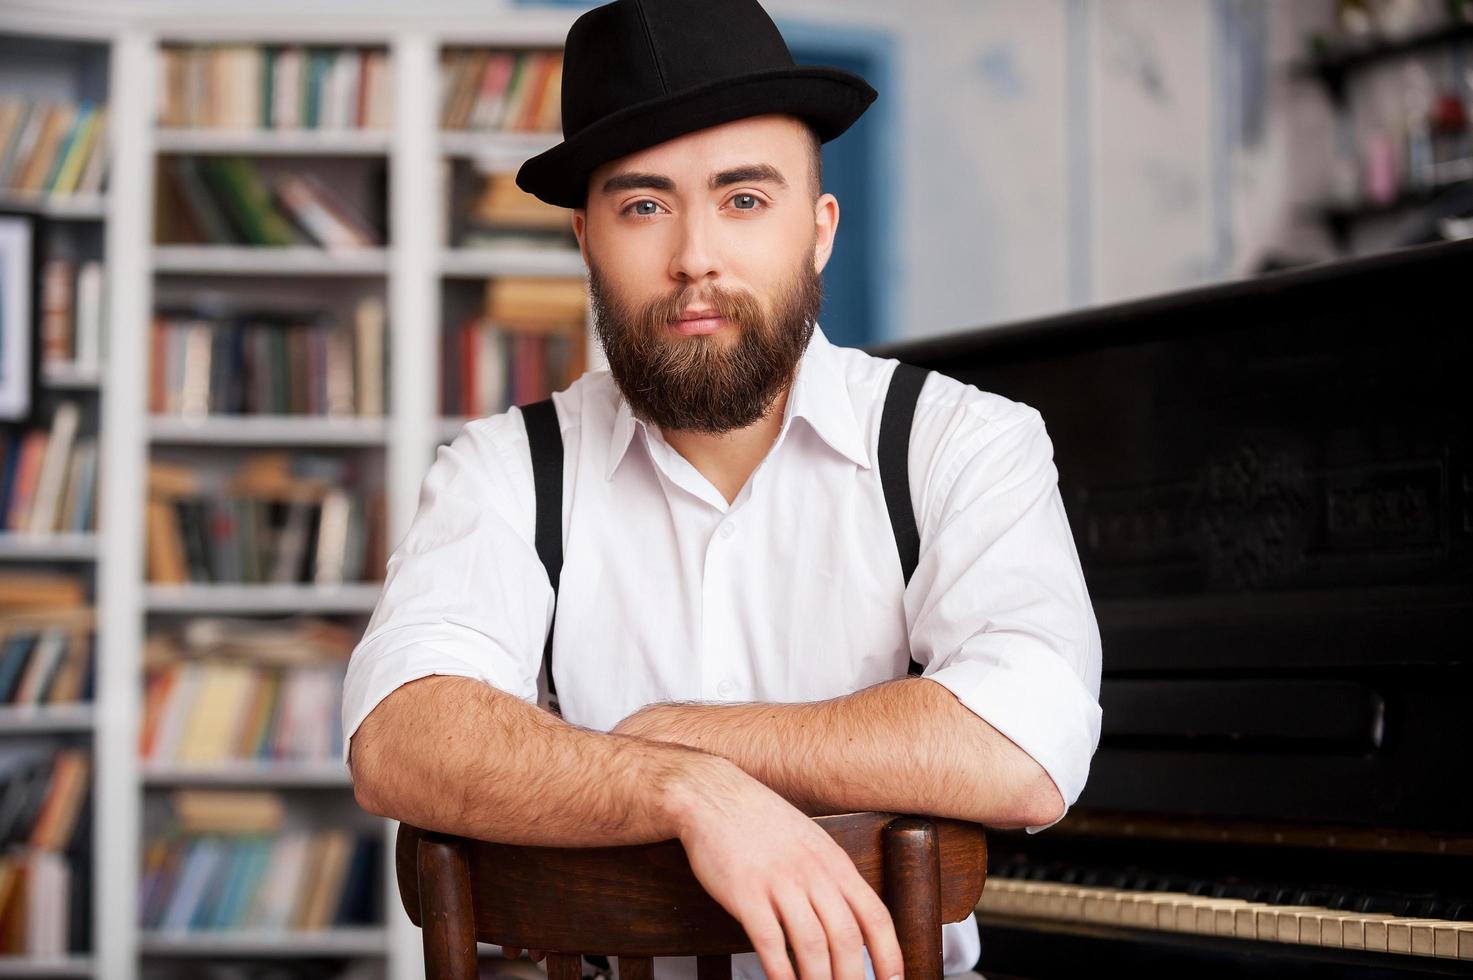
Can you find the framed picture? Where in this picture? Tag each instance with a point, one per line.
(17, 280)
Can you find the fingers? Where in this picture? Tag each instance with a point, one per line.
(845, 941)
(806, 936)
(877, 926)
(766, 935)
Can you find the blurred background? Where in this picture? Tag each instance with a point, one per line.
(258, 260)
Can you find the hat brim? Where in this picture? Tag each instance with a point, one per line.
(830, 99)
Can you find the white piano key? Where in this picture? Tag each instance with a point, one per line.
(1353, 929)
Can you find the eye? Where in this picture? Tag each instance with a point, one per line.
(758, 203)
(634, 204)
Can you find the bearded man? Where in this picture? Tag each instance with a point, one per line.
(725, 642)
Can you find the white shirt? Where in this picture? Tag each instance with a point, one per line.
(793, 592)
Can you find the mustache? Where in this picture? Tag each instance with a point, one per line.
(738, 307)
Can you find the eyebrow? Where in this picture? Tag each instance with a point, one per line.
(747, 173)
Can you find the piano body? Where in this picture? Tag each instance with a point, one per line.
(1270, 485)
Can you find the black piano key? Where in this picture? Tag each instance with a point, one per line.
(1425, 908)
(1460, 910)
(1382, 904)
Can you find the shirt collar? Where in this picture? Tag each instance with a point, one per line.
(819, 395)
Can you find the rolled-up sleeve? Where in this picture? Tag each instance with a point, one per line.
(997, 609)
(464, 592)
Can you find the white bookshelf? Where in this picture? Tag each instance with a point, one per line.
(324, 775)
(261, 943)
(287, 260)
(73, 207)
(80, 225)
(64, 966)
(71, 546)
(412, 271)
(244, 599)
(299, 142)
(68, 376)
(483, 263)
(268, 430)
(45, 719)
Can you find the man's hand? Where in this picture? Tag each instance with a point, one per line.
(784, 879)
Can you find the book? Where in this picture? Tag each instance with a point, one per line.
(246, 86)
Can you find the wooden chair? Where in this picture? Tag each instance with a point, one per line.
(637, 902)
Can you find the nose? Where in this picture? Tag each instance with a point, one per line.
(694, 257)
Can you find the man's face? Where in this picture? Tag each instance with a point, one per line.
(661, 242)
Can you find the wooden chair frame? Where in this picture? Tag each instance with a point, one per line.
(641, 901)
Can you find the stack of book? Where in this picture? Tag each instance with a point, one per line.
(45, 592)
(46, 655)
(501, 214)
(279, 518)
(51, 148)
(261, 364)
(228, 201)
(48, 478)
(527, 342)
(513, 90)
(228, 863)
(72, 314)
(239, 690)
(43, 794)
(247, 86)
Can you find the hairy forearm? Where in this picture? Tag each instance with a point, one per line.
(456, 755)
(903, 746)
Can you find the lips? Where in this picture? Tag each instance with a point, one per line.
(697, 324)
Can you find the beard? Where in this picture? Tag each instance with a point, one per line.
(705, 382)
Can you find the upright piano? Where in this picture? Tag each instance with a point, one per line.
(1270, 484)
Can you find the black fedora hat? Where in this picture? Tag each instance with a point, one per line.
(640, 72)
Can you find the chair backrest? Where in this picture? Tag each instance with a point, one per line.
(641, 901)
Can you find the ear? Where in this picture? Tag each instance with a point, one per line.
(826, 228)
(580, 230)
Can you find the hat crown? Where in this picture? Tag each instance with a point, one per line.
(631, 51)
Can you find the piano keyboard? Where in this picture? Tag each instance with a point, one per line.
(1231, 917)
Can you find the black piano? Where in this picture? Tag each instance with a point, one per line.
(1270, 484)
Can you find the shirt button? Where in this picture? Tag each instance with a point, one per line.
(727, 529)
(724, 689)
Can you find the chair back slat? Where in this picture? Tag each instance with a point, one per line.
(644, 900)
(562, 966)
(636, 968)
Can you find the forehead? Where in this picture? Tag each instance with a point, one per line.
(775, 138)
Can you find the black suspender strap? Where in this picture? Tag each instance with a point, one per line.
(545, 439)
(894, 460)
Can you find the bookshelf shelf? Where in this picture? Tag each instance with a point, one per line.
(485, 263)
(244, 598)
(28, 966)
(18, 546)
(274, 142)
(24, 719)
(268, 430)
(365, 941)
(246, 260)
(272, 774)
(88, 207)
(506, 149)
(69, 376)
